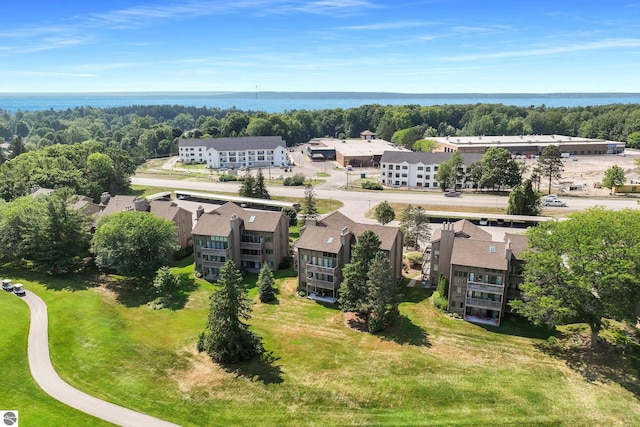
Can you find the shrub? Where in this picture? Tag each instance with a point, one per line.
(286, 263)
(371, 185)
(295, 180)
(226, 177)
(440, 302)
(414, 258)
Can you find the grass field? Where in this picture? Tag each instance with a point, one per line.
(428, 369)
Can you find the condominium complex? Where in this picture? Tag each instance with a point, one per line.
(248, 151)
(324, 248)
(483, 274)
(249, 237)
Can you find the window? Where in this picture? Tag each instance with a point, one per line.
(420, 168)
(428, 169)
(419, 176)
(458, 289)
(404, 167)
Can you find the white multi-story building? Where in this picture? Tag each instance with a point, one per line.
(412, 169)
(249, 151)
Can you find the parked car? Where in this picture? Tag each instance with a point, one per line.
(555, 203)
(6, 285)
(549, 197)
(280, 177)
(452, 193)
(18, 289)
(349, 167)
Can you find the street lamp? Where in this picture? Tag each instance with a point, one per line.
(369, 207)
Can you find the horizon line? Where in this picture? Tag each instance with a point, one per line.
(412, 94)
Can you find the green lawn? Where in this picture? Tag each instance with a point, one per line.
(18, 390)
(427, 369)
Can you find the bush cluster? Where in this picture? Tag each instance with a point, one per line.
(371, 185)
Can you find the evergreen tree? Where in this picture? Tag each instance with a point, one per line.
(354, 291)
(550, 163)
(226, 338)
(292, 214)
(17, 147)
(247, 189)
(443, 286)
(381, 287)
(260, 189)
(523, 200)
(309, 209)
(384, 213)
(266, 290)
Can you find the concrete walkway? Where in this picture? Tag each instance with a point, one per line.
(47, 378)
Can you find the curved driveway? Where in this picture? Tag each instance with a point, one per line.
(47, 378)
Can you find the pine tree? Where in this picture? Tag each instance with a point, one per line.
(266, 281)
(550, 163)
(309, 209)
(381, 286)
(353, 294)
(247, 189)
(226, 338)
(259, 188)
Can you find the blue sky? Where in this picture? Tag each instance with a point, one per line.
(413, 46)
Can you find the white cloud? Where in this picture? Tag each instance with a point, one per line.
(596, 45)
(383, 26)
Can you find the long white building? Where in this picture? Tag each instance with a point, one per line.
(416, 170)
(249, 151)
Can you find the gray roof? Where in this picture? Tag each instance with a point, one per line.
(413, 157)
(479, 253)
(217, 222)
(464, 228)
(240, 143)
(322, 239)
(337, 220)
(519, 243)
(166, 210)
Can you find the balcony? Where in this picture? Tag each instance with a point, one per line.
(255, 258)
(252, 245)
(212, 264)
(485, 287)
(320, 283)
(217, 252)
(483, 303)
(312, 268)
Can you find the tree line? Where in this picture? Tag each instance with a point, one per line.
(146, 131)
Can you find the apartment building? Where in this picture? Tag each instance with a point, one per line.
(249, 237)
(324, 248)
(247, 151)
(417, 170)
(483, 274)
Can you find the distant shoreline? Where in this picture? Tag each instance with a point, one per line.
(328, 95)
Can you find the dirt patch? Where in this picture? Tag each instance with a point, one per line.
(201, 372)
(353, 321)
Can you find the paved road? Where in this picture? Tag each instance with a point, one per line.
(357, 203)
(47, 378)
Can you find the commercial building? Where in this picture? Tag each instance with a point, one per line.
(249, 237)
(528, 144)
(324, 248)
(417, 170)
(483, 274)
(355, 152)
(248, 151)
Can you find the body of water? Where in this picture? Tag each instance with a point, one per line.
(278, 102)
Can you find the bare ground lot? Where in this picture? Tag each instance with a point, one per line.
(588, 170)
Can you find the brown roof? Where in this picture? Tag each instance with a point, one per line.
(216, 223)
(479, 253)
(166, 209)
(338, 221)
(123, 203)
(464, 228)
(519, 242)
(322, 239)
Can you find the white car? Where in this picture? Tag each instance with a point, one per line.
(555, 203)
(452, 194)
(549, 197)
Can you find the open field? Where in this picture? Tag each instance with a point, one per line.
(427, 369)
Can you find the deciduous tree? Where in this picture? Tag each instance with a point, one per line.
(384, 213)
(414, 224)
(550, 164)
(613, 177)
(133, 243)
(584, 269)
(523, 200)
